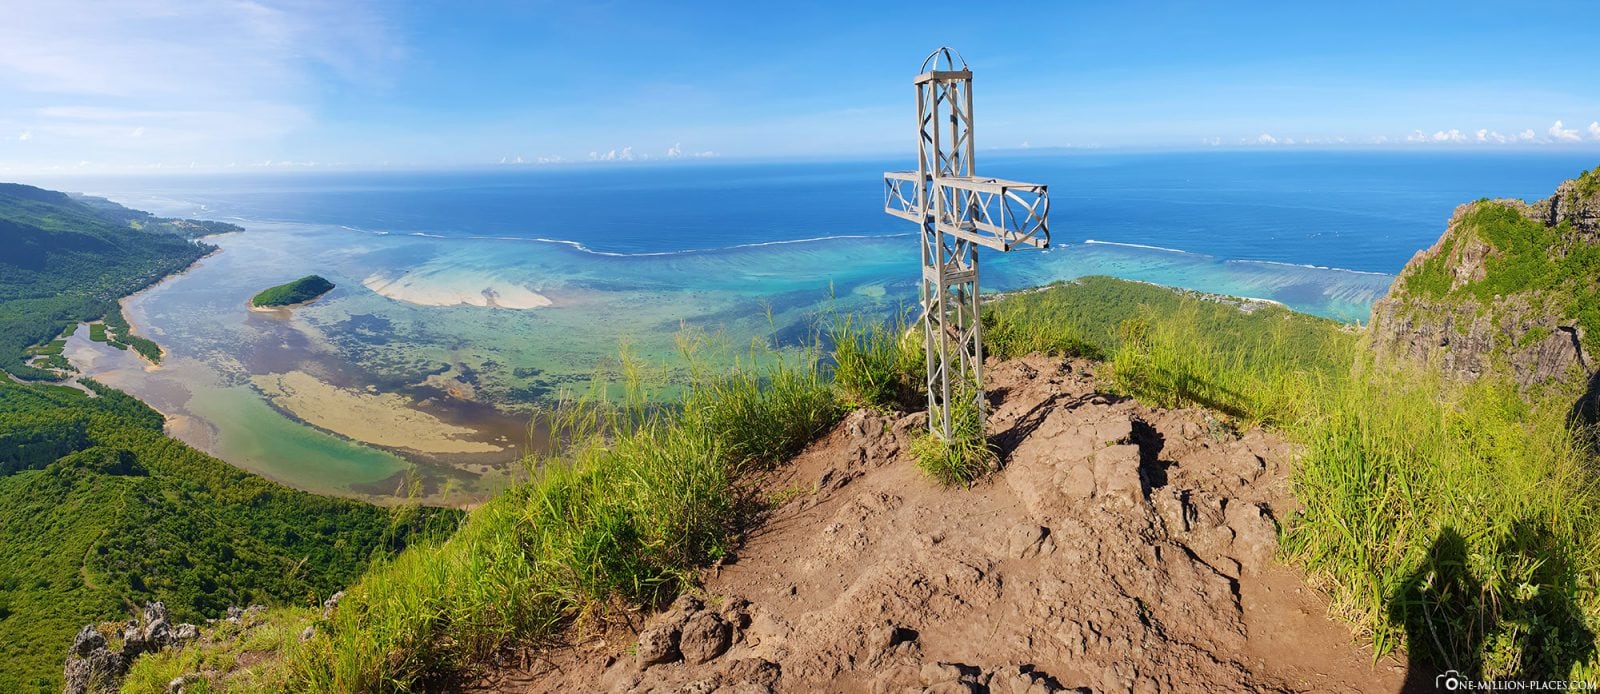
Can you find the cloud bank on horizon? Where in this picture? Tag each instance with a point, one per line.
(298, 83)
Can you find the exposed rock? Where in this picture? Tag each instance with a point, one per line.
(185, 632)
(93, 666)
(659, 645)
(1530, 335)
(1121, 548)
(705, 636)
(331, 604)
(181, 683)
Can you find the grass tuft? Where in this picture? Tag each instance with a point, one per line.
(877, 365)
(966, 455)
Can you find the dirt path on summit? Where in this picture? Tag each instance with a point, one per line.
(1121, 548)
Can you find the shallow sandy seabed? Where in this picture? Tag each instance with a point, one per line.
(384, 419)
(485, 292)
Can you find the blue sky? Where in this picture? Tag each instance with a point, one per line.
(144, 83)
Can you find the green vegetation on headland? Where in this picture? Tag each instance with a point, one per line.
(296, 292)
(99, 511)
(68, 259)
(1460, 522)
(1523, 255)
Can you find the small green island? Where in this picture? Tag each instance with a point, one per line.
(300, 291)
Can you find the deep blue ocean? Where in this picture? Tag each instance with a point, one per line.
(1354, 210)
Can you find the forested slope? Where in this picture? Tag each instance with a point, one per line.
(99, 511)
(69, 259)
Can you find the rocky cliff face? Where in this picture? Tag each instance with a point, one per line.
(1509, 288)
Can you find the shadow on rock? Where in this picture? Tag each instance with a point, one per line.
(1583, 420)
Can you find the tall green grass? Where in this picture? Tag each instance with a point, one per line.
(642, 497)
(1460, 521)
(877, 364)
(966, 454)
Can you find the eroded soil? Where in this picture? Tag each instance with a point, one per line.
(1120, 548)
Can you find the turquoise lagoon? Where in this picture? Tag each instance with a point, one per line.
(467, 300)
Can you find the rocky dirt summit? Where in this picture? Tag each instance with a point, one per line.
(1511, 287)
(1120, 548)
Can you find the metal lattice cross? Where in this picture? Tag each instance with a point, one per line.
(958, 211)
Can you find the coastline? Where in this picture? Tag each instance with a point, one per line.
(459, 459)
(122, 303)
(285, 308)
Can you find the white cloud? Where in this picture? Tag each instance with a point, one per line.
(204, 81)
(25, 136)
(705, 155)
(1562, 134)
(1266, 139)
(624, 154)
(1417, 136)
(1526, 135)
(1594, 130)
(675, 151)
(1452, 135)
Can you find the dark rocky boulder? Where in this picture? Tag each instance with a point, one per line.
(93, 666)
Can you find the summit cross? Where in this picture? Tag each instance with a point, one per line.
(965, 211)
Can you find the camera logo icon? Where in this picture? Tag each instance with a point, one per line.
(1450, 681)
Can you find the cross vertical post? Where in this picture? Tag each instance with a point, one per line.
(957, 212)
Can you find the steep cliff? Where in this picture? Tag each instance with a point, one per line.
(1511, 287)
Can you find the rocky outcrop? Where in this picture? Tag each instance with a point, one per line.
(1437, 315)
(1575, 202)
(1466, 340)
(93, 665)
(1121, 548)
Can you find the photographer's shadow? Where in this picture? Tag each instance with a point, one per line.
(1448, 614)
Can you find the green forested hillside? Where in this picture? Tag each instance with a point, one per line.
(99, 511)
(69, 259)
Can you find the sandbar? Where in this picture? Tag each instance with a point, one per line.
(471, 291)
(383, 419)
